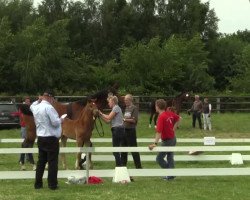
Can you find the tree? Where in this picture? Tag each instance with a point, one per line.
(241, 82)
(224, 57)
(6, 44)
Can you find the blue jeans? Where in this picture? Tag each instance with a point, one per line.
(119, 140)
(170, 155)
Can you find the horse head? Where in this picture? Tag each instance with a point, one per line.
(25, 109)
(178, 100)
(100, 97)
(92, 107)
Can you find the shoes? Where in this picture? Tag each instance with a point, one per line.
(54, 188)
(149, 126)
(169, 178)
(37, 187)
(132, 179)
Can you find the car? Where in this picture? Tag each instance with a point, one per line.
(9, 115)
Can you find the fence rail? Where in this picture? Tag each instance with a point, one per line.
(133, 172)
(147, 140)
(219, 103)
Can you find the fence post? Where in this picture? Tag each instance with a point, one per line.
(87, 167)
(218, 104)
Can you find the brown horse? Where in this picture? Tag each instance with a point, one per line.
(172, 104)
(79, 130)
(72, 110)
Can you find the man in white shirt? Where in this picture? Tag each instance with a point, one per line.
(48, 130)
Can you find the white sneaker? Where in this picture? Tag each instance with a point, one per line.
(149, 126)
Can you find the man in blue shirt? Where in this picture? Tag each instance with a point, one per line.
(48, 130)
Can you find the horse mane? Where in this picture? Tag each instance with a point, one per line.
(82, 102)
(99, 95)
(25, 109)
(103, 94)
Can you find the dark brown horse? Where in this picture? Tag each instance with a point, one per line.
(172, 104)
(79, 130)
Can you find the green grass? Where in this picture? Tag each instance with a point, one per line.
(230, 125)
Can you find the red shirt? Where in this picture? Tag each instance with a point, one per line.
(165, 124)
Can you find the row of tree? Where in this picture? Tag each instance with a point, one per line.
(147, 46)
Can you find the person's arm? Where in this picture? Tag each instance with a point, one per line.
(157, 138)
(107, 118)
(40, 98)
(210, 109)
(159, 129)
(134, 117)
(54, 117)
(177, 123)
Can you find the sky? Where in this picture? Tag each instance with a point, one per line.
(233, 15)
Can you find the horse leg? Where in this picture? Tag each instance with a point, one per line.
(155, 118)
(150, 120)
(90, 144)
(63, 157)
(78, 156)
(22, 156)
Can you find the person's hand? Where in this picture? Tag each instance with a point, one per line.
(40, 98)
(100, 113)
(151, 146)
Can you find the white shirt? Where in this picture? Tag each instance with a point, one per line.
(47, 119)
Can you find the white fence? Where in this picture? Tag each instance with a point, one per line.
(140, 172)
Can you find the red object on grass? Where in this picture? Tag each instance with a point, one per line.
(95, 180)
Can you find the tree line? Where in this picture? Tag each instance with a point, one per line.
(148, 47)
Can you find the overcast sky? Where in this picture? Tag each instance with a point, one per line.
(234, 15)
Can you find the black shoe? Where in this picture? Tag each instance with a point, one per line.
(54, 188)
(38, 187)
(169, 178)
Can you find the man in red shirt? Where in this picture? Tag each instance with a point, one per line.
(167, 123)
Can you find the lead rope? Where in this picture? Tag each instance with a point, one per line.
(100, 134)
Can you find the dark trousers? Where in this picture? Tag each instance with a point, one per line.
(170, 155)
(119, 140)
(48, 152)
(196, 115)
(30, 155)
(131, 141)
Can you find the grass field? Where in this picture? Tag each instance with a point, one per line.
(230, 125)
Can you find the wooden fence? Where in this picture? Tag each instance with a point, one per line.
(219, 103)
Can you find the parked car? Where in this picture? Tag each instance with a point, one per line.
(9, 115)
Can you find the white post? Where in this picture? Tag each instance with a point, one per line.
(87, 167)
(218, 104)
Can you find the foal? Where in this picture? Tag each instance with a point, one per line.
(80, 130)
